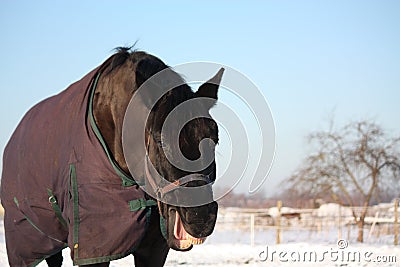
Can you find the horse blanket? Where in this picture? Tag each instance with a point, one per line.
(60, 186)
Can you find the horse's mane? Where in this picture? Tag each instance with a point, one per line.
(117, 59)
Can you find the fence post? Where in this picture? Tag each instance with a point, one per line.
(371, 231)
(340, 223)
(252, 229)
(278, 222)
(396, 222)
(348, 231)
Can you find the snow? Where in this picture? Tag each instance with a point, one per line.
(392, 209)
(333, 209)
(384, 206)
(232, 248)
(274, 212)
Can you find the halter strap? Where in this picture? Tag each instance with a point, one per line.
(184, 180)
(162, 190)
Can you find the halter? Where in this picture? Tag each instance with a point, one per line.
(161, 191)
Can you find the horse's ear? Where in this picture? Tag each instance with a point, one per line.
(209, 89)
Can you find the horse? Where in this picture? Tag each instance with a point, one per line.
(66, 181)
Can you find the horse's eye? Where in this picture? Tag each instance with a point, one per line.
(157, 140)
(160, 143)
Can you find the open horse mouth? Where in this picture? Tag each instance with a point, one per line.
(182, 240)
(186, 227)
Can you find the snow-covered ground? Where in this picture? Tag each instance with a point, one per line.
(299, 248)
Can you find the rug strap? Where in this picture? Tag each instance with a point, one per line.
(140, 204)
(56, 208)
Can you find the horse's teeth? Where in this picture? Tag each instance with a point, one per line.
(195, 241)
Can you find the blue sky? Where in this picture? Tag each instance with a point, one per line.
(309, 58)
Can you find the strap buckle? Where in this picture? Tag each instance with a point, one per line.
(52, 199)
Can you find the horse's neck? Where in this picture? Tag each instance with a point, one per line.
(109, 106)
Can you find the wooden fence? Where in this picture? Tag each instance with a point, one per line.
(379, 221)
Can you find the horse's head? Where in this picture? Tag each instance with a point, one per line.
(174, 139)
(182, 132)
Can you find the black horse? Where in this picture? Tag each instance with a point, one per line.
(66, 182)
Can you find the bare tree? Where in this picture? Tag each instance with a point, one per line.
(350, 166)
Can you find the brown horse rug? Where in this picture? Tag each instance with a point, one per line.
(61, 187)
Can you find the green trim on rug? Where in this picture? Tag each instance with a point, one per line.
(126, 179)
(72, 174)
